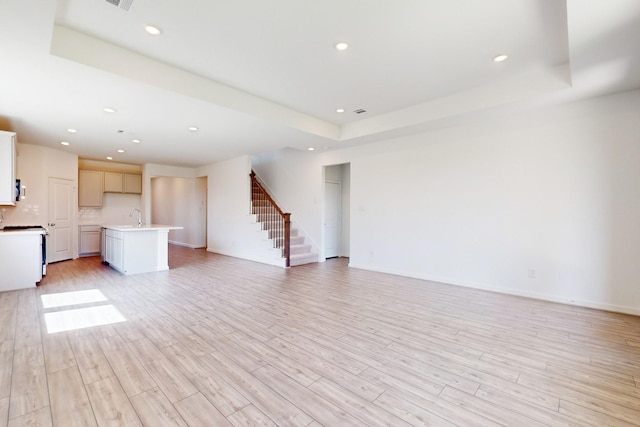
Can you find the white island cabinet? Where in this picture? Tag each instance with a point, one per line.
(133, 250)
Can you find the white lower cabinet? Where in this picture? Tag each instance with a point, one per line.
(20, 260)
(114, 250)
(89, 236)
(131, 252)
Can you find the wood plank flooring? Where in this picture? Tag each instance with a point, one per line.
(218, 341)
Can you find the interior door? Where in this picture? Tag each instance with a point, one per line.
(60, 225)
(332, 218)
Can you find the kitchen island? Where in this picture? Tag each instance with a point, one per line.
(132, 250)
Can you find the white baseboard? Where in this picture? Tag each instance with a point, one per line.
(186, 245)
(507, 291)
(277, 262)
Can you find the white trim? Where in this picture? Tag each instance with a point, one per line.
(186, 245)
(507, 291)
(276, 262)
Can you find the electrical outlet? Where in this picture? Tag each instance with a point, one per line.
(532, 273)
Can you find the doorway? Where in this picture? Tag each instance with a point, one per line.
(60, 220)
(332, 218)
(181, 201)
(337, 187)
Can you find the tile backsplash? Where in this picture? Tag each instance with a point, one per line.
(115, 210)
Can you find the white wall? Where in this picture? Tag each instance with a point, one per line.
(228, 197)
(551, 193)
(230, 231)
(35, 164)
(173, 195)
(294, 179)
(180, 201)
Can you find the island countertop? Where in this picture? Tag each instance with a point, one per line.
(152, 227)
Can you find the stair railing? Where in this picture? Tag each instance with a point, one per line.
(273, 219)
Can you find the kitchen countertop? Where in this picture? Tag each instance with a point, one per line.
(8, 233)
(152, 227)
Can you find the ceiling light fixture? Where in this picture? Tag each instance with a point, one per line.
(340, 110)
(64, 143)
(501, 58)
(136, 141)
(121, 151)
(109, 110)
(193, 129)
(310, 148)
(72, 130)
(342, 46)
(109, 158)
(153, 30)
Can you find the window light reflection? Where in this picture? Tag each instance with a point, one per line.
(69, 320)
(71, 298)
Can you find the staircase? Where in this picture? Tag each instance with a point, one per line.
(300, 253)
(277, 224)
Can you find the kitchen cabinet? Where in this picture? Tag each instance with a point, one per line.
(129, 183)
(90, 188)
(114, 250)
(89, 240)
(132, 183)
(113, 182)
(7, 168)
(20, 260)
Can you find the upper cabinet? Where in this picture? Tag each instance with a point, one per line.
(115, 182)
(7, 168)
(90, 188)
(112, 182)
(93, 184)
(132, 183)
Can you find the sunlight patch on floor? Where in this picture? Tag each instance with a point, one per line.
(72, 298)
(69, 320)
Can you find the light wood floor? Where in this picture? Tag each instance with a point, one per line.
(218, 341)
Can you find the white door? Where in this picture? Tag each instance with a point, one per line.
(332, 218)
(60, 225)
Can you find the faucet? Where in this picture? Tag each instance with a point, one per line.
(136, 210)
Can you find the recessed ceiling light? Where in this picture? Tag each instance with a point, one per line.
(310, 148)
(109, 110)
(72, 130)
(340, 110)
(64, 143)
(136, 141)
(342, 46)
(153, 30)
(194, 128)
(109, 158)
(121, 151)
(501, 58)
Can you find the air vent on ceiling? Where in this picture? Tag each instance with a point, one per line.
(359, 111)
(123, 4)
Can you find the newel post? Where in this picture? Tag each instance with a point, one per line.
(287, 238)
